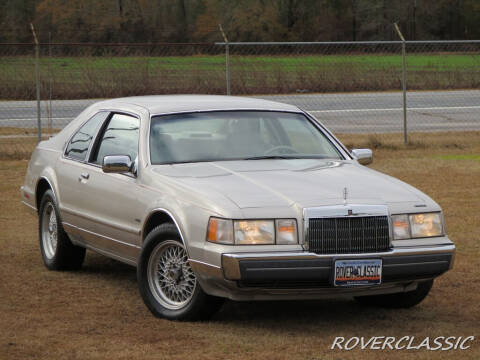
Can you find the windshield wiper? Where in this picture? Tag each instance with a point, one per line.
(270, 157)
(261, 157)
(299, 156)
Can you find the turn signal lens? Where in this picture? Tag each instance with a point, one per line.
(212, 229)
(286, 231)
(401, 229)
(220, 231)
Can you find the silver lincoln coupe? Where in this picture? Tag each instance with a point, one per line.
(215, 197)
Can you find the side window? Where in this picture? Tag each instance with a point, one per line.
(120, 137)
(78, 146)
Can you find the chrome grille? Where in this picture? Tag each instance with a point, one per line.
(348, 235)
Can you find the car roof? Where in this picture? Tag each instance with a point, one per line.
(167, 104)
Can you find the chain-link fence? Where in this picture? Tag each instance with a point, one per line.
(352, 87)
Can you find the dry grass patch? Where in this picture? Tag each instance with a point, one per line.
(447, 140)
(97, 313)
(19, 143)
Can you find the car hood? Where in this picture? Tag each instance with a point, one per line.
(301, 182)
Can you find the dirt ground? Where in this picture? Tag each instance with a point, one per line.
(97, 313)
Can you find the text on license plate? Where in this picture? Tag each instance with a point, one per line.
(358, 272)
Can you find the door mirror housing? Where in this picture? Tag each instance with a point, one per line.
(117, 164)
(363, 156)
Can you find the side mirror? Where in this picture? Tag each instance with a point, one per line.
(363, 156)
(117, 164)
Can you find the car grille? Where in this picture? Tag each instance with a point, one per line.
(348, 235)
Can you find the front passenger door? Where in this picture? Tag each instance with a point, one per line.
(112, 199)
(71, 170)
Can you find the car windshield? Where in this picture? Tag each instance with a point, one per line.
(236, 135)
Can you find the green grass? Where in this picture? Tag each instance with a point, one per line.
(460, 157)
(113, 76)
(443, 62)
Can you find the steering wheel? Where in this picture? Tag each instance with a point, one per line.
(285, 149)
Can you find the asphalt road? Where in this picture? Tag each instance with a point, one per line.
(379, 112)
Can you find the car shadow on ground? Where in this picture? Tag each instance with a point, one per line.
(100, 266)
(307, 312)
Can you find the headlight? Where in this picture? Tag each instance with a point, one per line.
(426, 225)
(417, 226)
(252, 232)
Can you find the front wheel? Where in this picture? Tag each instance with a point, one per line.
(166, 281)
(399, 300)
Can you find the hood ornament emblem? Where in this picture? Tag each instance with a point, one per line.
(345, 194)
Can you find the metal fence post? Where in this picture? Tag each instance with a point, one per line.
(227, 58)
(404, 84)
(50, 76)
(37, 81)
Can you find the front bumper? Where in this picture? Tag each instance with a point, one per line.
(296, 275)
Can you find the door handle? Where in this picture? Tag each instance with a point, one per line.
(84, 176)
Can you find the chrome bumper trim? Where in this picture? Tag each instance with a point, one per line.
(205, 269)
(231, 262)
(30, 207)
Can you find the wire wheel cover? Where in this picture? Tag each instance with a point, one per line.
(170, 277)
(49, 231)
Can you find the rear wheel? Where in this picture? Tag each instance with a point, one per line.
(166, 281)
(399, 300)
(58, 252)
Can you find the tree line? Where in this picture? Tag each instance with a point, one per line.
(243, 20)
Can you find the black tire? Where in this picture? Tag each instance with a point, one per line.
(398, 300)
(200, 306)
(65, 255)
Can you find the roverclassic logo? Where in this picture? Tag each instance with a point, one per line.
(442, 343)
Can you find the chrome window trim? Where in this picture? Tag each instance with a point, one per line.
(332, 139)
(100, 130)
(64, 150)
(224, 110)
(95, 138)
(341, 211)
(337, 143)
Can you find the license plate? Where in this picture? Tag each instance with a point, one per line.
(358, 272)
